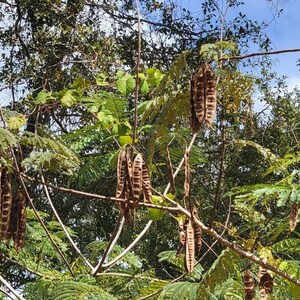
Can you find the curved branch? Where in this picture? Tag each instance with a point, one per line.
(63, 226)
(115, 236)
(12, 290)
(137, 239)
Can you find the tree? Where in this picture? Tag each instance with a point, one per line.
(89, 106)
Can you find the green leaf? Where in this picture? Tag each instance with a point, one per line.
(43, 96)
(101, 80)
(125, 139)
(155, 213)
(81, 84)
(126, 84)
(68, 98)
(144, 87)
(7, 139)
(16, 122)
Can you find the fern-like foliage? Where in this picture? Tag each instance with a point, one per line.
(48, 153)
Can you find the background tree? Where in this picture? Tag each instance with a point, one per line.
(71, 69)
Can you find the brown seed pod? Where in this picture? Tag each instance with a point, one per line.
(265, 283)
(19, 233)
(197, 230)
(294, 216)
(189, 247)
(186, 174)
(182, 236)
(210, 95)
(6, 203)
(121, 172)
(249, 286)
(137, 177)
(146, 184)
(170, 171)
(203, 98)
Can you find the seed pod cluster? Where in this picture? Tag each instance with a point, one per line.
(249, 286)
(265, 283)
(203, 97)
(132, 181)
(13, 212)
(294, 216)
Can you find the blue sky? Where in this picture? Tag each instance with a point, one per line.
(284, 31)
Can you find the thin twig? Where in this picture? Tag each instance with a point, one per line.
(12, 290)
(181, 162)
(63, 226)
(137, 81)
(240, 57)
(136, 240)
(6, 293)
(113, 239)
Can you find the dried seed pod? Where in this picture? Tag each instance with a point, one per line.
(265, 283)
(19, 234)
(186, 174)
(137, 177)
(249, 286)
(170, 171)
(6, 203)
(294, 216)
(189, 247)
(121, 172)
(203, 97)
(146, 184)
(182, 236)
(197, 230)
(210, 95)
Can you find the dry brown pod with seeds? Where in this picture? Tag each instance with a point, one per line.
(249, 286)
(265, 283)
(203, 99)
(294, 216)
(189, 247)
(6, 202)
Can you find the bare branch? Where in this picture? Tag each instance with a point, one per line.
(63, 226)
(12, 290)
(259, 54)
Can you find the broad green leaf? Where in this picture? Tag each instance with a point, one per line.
(43, 96)
(125, 139)
(126, 84)
(7, 139)
(68, 98)
(81, 84)
(144, 87)
(101, 80)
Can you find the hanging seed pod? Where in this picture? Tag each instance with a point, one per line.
(294, 216)
(182, 236)
(189, 247)
(121, 172)
(197, 230)
(146, 184)
(265, 283)
(137, 177)
(186, 174)
(249, 286)
(210, 95)
(19, 233)
(203, 98)
(6, 203)
(170, 171)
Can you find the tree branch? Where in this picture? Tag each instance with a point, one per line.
(12, 290)
(259, 54)
(63, 226)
